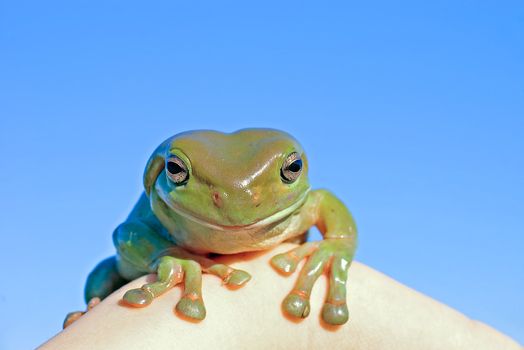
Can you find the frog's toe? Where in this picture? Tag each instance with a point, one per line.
(72, 317)
(138, 297)
(335, 314)
(191, 304)
(237, 278)
(283, 263)
(296, 305)
(335, 310)
(287, 262)
(93, 302)
(231, 277)
(192, 307)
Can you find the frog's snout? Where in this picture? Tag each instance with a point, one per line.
(221, 199)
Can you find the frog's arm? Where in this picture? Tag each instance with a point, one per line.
(334, 253)
(334, 220)
(142, 249)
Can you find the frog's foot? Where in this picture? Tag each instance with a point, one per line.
(73, 316)
(335, 255)
(171, 271)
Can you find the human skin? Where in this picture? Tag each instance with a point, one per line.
(384, 314)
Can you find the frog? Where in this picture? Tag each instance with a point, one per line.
(209, 193)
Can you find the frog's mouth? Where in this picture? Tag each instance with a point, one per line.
(264, 222)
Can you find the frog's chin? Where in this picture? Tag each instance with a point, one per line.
(261, 223)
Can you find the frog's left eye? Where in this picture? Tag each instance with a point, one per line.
(177, 170)
(291, 168)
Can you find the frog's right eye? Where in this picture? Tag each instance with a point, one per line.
(177, 170)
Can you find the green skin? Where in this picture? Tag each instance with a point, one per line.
(233, 200)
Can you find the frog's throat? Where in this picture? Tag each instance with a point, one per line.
(253, 226)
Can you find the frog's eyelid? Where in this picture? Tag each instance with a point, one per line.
(292, 157)
(178, 153)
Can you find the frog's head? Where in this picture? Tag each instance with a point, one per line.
(249, 177)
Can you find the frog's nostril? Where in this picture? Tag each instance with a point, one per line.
(217, 200)
(255, 197)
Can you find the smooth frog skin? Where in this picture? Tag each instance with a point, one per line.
(211, 192)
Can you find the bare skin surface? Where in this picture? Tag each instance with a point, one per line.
(383, 315)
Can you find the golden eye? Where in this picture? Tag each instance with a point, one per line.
(291, 168)
(177, 170)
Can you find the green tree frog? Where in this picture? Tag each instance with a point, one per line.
(207, 192)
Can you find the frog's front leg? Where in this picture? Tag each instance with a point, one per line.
(143, 250)
(334, 253)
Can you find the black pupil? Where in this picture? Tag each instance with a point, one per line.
(174, 168)
(295, 166)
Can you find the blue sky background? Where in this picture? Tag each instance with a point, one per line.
(411, 112)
